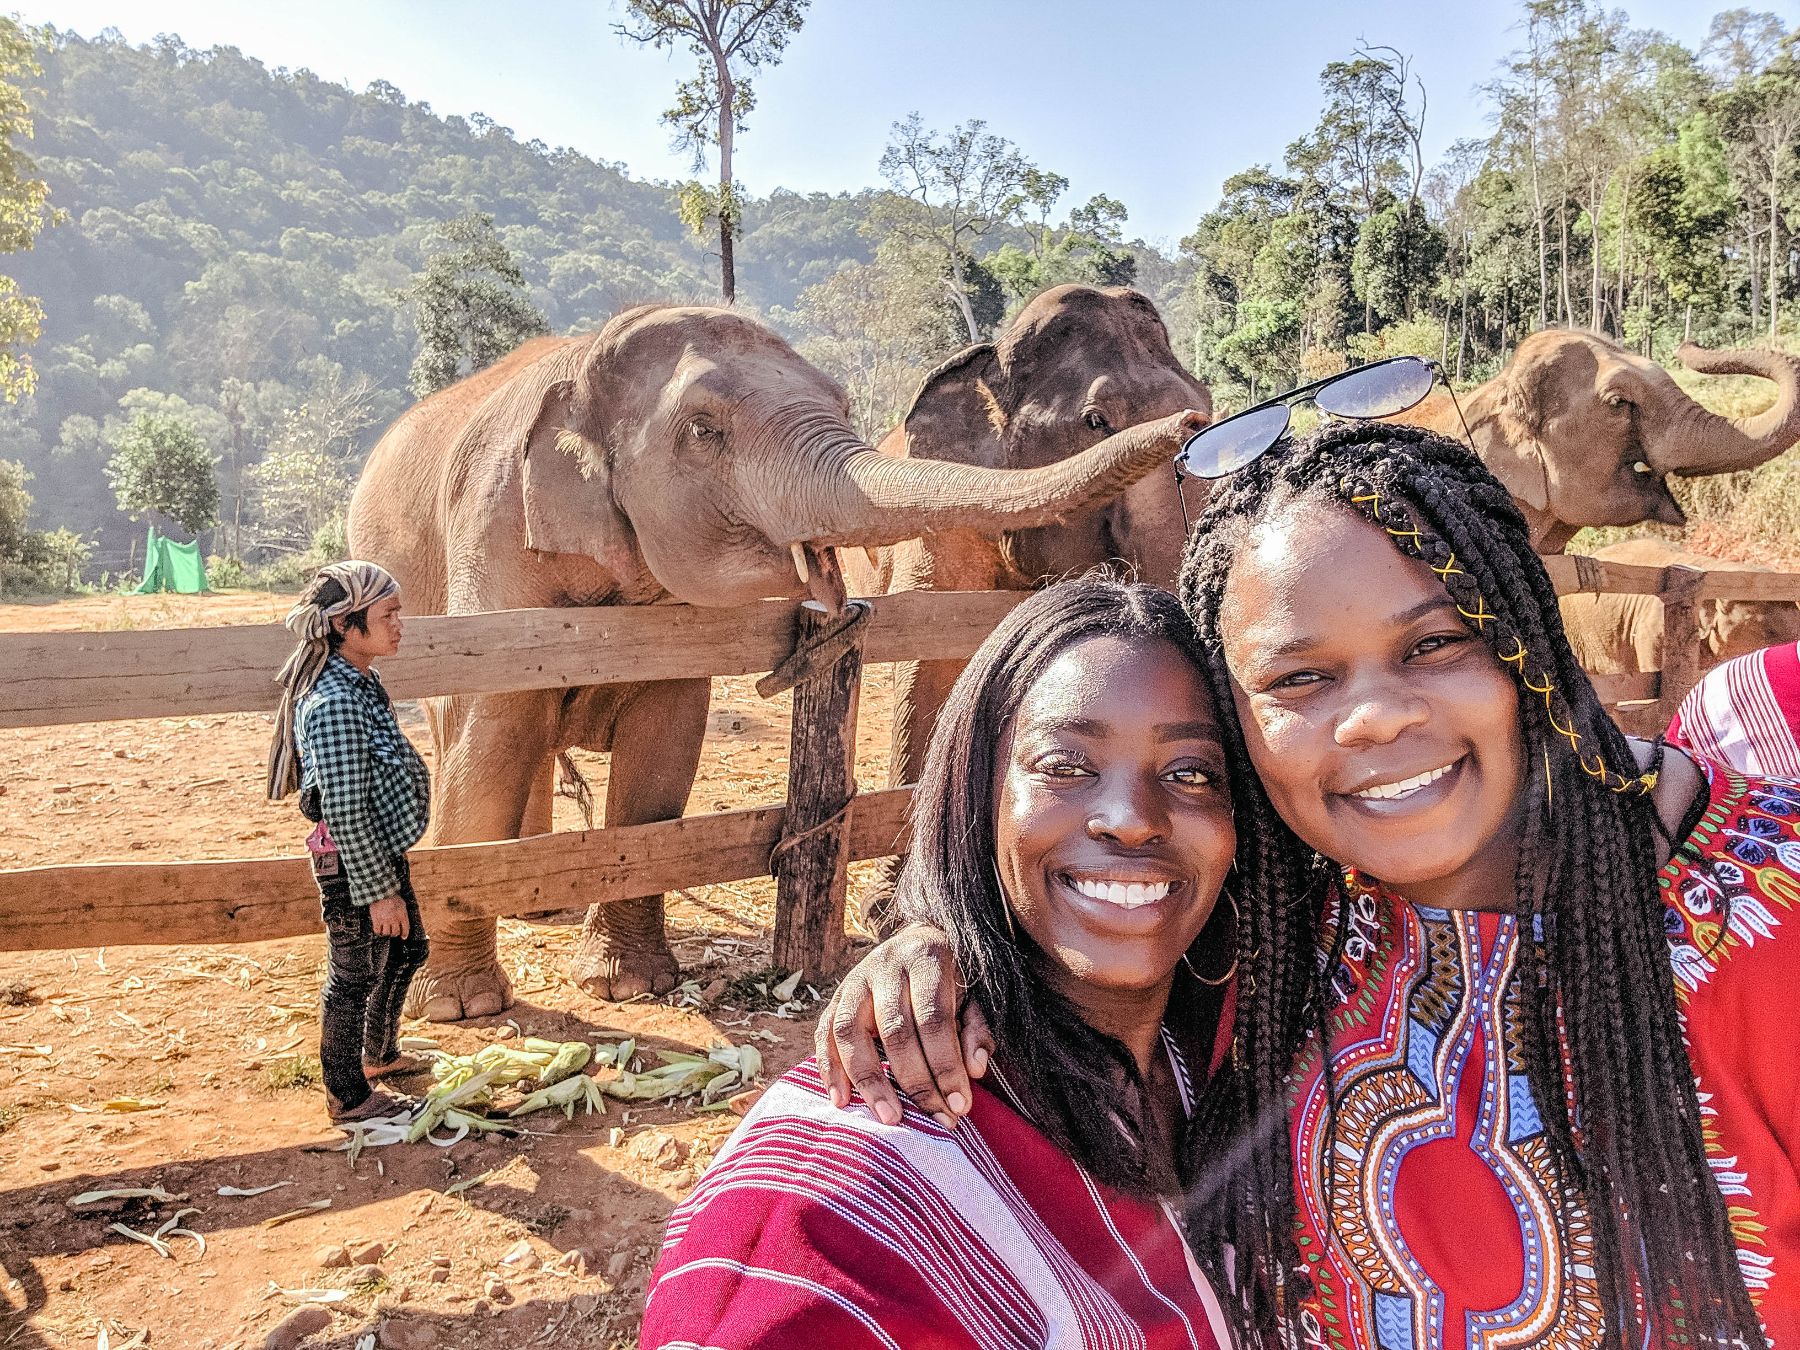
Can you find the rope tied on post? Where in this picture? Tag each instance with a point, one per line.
(816, 654)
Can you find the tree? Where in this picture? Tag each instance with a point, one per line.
(302, 484)
(1761, 114)
(875, 326)
(24, 209)
(15, 510)
(729, 39)
(956, 189)
(161, 466)
(470, 305)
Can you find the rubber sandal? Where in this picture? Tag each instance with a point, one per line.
(375, 1106)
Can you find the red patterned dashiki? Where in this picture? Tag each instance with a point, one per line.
(1746, 713)
(820, 1229)
(1448, 1223)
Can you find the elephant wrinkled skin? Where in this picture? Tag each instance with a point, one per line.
(1077, 362)
(1583, 432)
(680, 454)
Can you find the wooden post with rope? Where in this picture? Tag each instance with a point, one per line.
(810, 862)
(1681, 641)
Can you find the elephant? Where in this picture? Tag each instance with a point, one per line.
(1583, 432)
(1618, 634)
(681, 454)
(1077, 362)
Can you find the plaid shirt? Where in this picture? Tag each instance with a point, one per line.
(373, 788)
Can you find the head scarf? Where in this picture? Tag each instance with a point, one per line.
(365, 584)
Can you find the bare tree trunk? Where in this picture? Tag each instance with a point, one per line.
(1562, 270)
(1774, 238)
(1595, 317)
(1624, 241)
(727, 199)
(1750, 234)
(1462, 332)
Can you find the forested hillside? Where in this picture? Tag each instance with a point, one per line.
(242, 249)
(235, 238)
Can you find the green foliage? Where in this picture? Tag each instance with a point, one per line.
(15, 510)
(24, 208)
(62, 555)
(161, 466)
(954, 189)
(470, 305)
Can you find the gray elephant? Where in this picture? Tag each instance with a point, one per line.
(679, 454)
(1583, 432)
(1077, 362)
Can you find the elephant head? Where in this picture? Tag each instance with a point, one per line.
(1583, 432)
(690, 448)
(1075, 366)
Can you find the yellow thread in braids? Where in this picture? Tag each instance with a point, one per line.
(1643, 784)
(1480, 617)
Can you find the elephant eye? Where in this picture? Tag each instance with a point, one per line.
(1097, 420)
(702, 430)
(1639, 467)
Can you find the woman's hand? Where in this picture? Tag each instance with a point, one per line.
(388, 918)
(907, 993)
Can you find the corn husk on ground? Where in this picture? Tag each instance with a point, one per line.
(466, 1087)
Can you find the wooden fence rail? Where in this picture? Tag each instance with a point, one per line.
(53, 679)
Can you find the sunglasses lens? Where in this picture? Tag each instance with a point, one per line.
(1229, 445)
(1379, 390)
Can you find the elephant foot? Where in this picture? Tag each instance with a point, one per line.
(624, 952)
(454, 996)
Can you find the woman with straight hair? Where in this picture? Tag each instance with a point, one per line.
(1072, 832)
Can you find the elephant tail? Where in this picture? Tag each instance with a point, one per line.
(571, 784)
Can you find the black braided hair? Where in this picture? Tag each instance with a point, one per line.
(1622, 1116)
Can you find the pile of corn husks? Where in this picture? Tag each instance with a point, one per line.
(520, 1077)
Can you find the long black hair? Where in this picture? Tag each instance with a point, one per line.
(1625, 1124)
(1080, 1086)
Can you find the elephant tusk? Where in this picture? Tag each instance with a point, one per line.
(799, 552)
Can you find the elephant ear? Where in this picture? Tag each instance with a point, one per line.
(567, 481)
(959, 407)
(1507, 437)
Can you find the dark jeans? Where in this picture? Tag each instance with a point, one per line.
(366, 977)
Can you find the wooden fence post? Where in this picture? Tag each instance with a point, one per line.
(1681, 639)
(810, 861)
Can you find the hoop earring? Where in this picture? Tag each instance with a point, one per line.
(1227, 976)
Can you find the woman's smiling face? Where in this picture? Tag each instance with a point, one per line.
(1114, 829)
(1386, 733)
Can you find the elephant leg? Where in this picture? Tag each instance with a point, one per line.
(489, 762)
(920, 689)
(656, 734)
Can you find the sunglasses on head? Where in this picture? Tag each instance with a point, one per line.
(1380, 389)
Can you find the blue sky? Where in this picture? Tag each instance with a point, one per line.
(1155, 103)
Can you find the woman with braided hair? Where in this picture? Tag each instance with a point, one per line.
(1515, 986)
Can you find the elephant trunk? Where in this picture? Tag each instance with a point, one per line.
(872, 500)
(1701, 442)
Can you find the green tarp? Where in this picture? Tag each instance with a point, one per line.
(169, 566)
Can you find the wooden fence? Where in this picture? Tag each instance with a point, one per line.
(51, 679)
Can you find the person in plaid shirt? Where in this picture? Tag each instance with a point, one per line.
(338, 742)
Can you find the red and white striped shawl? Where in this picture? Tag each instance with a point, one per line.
(822, 1229)
(1746, 713)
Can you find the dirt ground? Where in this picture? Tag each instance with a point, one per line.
(216, 1044)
